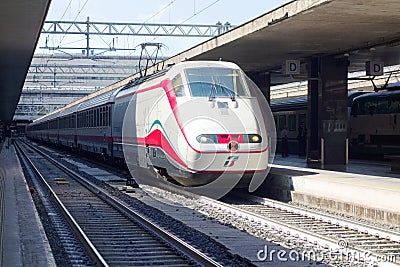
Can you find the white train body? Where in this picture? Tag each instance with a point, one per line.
(191, 123)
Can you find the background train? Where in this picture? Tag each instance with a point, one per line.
(190, 123)
(373, 127)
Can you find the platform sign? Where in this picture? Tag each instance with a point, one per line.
(292, 67)
(374, 68)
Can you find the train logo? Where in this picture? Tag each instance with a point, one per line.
(230, 161)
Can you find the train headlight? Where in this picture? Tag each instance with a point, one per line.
(255, 139)
(207, 138)
(252, 138)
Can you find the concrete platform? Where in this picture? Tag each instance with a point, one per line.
(364, 189)
(23, 240)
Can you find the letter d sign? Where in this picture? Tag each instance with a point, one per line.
(374, 68)
(378, 68)
(292, 67)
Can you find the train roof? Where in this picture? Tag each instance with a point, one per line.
(393, 86)
(293, 103)
(106, 93)
(66, 111)
(99, 100)
(297, 103)
(382, 94)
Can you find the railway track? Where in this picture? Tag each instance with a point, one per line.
(348, 243)
(110, 232)
(330, 239)
(337, 233)
(364, 243)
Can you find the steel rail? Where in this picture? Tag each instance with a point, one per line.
(297, 232)
(361, 227)
(89, 247)
(163, 234)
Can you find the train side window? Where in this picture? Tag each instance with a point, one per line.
(276, 122)
(282, 122)
(371, 108)
(359, 108)
(394, 105)
(107, 116)
(303, 120)
(73, 121)
(382, 106)
(178, 86)
(100, 116)
(292, 122)
(97, 117)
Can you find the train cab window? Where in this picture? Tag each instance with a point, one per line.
(216, 82)
(282, 122)
(178, 86)
(292, 122)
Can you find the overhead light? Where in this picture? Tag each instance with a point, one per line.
(372, 49)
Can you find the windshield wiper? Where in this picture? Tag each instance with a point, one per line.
(213, 91)
(232, 94)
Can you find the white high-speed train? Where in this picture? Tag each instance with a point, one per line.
(190, 123)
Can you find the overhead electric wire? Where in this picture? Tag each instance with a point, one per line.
(65, 34)
(195, 14)
(161, 10)
(79, 12)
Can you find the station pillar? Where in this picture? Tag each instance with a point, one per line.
(327, 111)
(263, 81)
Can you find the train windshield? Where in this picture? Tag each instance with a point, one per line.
(216, 82)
